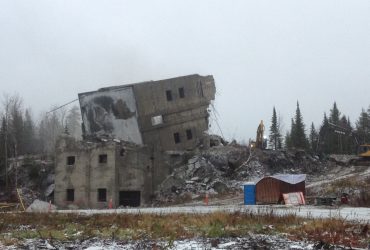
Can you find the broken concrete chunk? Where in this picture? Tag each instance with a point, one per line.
(193, 160)
(50, 179)
(197, 165)
(40, 206)
(49, 190)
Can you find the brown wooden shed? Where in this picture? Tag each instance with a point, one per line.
(270, 189)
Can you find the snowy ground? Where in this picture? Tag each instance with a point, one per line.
(340, 173)
(251, 242)
(347, 213)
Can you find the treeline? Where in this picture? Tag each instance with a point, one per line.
(335, 134)
(21, 134)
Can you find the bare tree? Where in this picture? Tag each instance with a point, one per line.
(73, 122)
(12, 117)
(51, 126)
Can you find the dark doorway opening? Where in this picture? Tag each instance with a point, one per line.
(129, 198)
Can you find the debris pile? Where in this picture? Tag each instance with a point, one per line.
(198, 176)
(34, 179)
(223, 169)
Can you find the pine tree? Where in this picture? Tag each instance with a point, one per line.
(313, 138)
(298, 134)
(275, 136)
(29, 139)
(323, 146)
(288, 141)
(363, 127)
(292, 133)
(334, 139)
(348, 141)
(334, 114)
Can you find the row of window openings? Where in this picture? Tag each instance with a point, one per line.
(169, 94)
(177, 138)
(102, 195)
(71, 160)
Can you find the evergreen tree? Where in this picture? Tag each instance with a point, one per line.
(334, 114)
(363, 127)
(297, 133)
(275, 136)
(348, 141)
(324, 135)
(313, 138)
(288, 141)
(29, 139)
(334, 137)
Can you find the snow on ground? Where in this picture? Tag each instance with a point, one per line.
(340, 173)
(253, 241)
(347, 213)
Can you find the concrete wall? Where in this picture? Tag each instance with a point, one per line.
(178, 114)
(134, 171)
(110, 113)
(71, 177)
(127, 112)
(102, 175)
(129, 167)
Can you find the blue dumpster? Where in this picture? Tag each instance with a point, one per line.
(250, 194)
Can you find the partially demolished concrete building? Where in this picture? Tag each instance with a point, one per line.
(129, 131)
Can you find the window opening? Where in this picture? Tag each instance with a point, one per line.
(189, 134)
(102, 194)
(70, 194)
(181, 92)
(169, 95)
(176, 137)
(103, 158)
(71, 160)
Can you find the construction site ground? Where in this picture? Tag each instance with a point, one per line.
(225, 223)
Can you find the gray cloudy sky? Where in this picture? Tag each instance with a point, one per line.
(261, 53)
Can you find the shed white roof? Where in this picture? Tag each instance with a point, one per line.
(288, 178)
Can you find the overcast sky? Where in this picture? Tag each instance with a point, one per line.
(261, 53)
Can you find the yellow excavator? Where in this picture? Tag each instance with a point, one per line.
(363, 154)
(364, 151)
(261, 141)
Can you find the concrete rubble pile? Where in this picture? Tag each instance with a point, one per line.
(224, 168)
(35, 178)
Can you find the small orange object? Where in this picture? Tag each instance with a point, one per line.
(110, 205)
(206, 199)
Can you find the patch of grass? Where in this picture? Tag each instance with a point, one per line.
(170, 227)
(334, 231)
